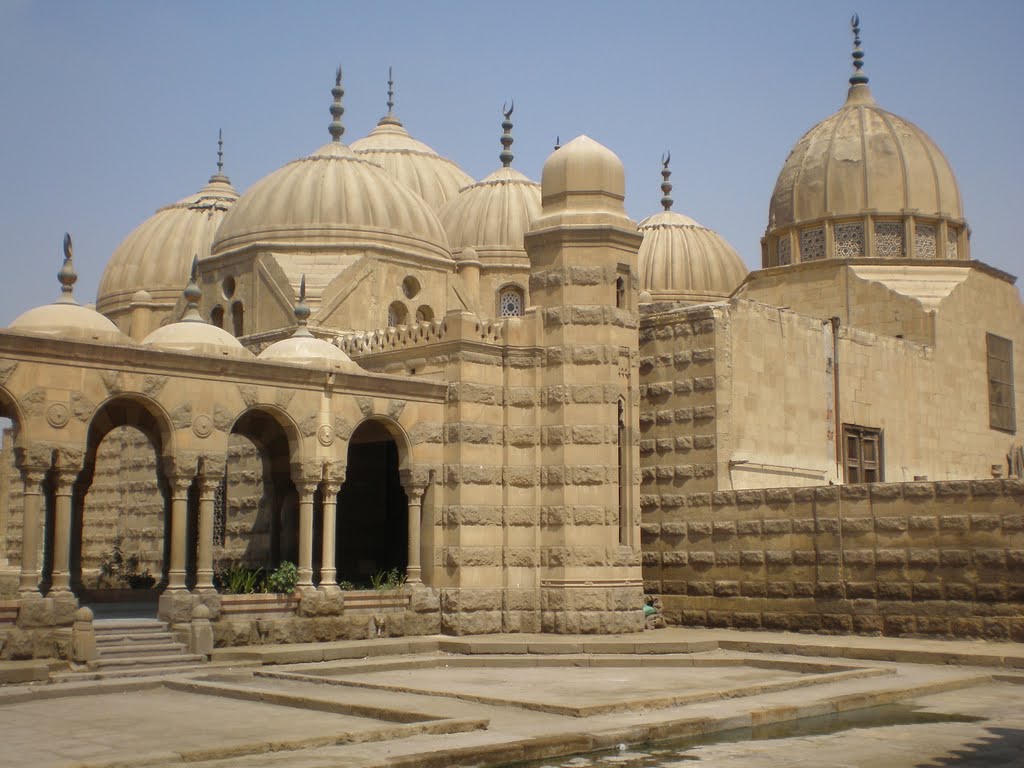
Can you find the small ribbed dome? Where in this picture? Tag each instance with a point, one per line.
(66, 318)
(493, 214)
(680, 259)
(434, 178)
(192, 334)
(859, 184)
(157, 253)
(332, 198)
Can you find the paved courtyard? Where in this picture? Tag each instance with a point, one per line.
(671, 697)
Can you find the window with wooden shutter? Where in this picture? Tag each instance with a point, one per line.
(863, 454)
(1002, 413)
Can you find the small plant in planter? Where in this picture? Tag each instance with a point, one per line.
(283, 579)
(239, 579)
(385, 580)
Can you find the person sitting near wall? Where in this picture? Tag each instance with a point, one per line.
(652, 613)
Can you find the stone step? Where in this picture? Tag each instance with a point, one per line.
(107, 626)
(104, 663)
(139, 650)
(143, 671)
(127, 638)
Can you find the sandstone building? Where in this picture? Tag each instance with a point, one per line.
(530, 405)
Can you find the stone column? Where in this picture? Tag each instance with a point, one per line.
(328, 567)
(179, 483)
(208, 484)
(28, 582)
(63, 491)
(415, 487)
(306, 490)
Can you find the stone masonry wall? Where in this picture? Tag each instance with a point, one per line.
(939, 558)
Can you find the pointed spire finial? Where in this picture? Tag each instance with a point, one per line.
(220, 152)
(858, 77)
(302, 310)
(336, 129)
(192, 294)
(666, 185)
(391, 92)
(506, 155)
(558, 143)
(67, 275)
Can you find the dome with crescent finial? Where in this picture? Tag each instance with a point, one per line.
(336, 199)
(681, 260)
(154, 256)
(66, 318)
(492, 215)
(865, 183)
(434, 178)
(192, 334)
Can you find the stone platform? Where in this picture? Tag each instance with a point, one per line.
(496, 700)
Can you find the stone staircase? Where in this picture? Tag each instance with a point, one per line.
(138, 647)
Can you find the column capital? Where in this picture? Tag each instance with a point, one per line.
(335, 471)
(212, 466)
(34, 457)
(306, 472)
(331, 489)
(208, 485)
(33, 478)
(415, 482)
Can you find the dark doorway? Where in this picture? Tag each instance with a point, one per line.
(373, 523)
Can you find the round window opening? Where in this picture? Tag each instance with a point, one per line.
(410, 287)
(227, 286)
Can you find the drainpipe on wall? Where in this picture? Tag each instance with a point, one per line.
(835, 398)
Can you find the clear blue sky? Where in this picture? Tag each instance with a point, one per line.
(111, 109)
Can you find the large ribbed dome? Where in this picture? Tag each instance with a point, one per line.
(158, 252)
(865, 183)
(332, 198)
(434, 178)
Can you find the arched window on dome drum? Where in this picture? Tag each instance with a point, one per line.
(924, 241)
(889, 239)
(238, 318)
(952, 249)
(217, 316)
(510, 301)
(424, 314)
(620, 293)
(397, 314)
(782, 251)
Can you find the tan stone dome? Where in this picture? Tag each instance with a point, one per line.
(865, 183)
(681, 260)
(492, 215)
(66, 318)
(434, 178)
(158, 252)
(583, 178)
(194, 335)
(332, 198)
(303, 348)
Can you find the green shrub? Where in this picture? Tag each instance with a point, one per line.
(118, 571)
(283, 579)
(238, 579)
(383, 580)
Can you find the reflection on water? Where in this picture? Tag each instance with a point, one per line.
(665, 754)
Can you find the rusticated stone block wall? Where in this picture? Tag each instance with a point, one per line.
(934, 558)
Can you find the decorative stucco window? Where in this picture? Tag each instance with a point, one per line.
(397, 314)
(1002, 413)
(924, 241)
(849, 240)
(862, 454)
(510, 302)
(782, 251)
(889, 239)
(952, 243)
(220, 512)
(812, 244)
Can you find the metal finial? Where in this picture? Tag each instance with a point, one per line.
(666, 185)
(558, 143)
(302, 310)
(506, 137)
(220, 152)
(336, 129)
(858, 77)
(67, 275)
(391, 92)
(192, 294)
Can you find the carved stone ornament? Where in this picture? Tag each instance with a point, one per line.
(202, 426)
(57, 415)
(6, 369)
(113, 381)
(325, 435)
